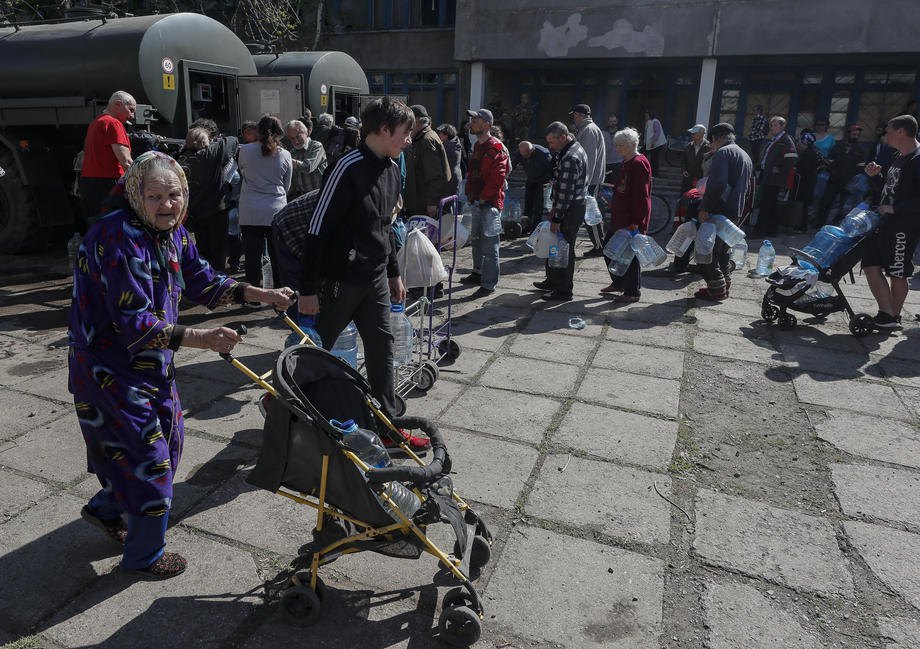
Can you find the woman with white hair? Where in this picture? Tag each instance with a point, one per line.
(631, 207)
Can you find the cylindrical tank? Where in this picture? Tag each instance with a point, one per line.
(329, 70)
(93, 58)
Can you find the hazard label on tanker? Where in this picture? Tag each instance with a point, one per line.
(169, 82)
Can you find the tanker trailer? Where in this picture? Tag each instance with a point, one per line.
(58, 76)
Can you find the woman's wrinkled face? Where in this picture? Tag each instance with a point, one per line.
(164, 201)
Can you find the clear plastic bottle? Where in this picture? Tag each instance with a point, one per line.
(706, 238)
(766, 257)
(515, 212)
(682, 238)
(491, 221)
(860, 221)
(592, 211)
(346, 345)
(828, 244)
(648, 252)
(739, 254)
(267, 279)
(558, 253)
(73, 248)
(307, 324)
(618, 244)
(403, 335)
(726, 230)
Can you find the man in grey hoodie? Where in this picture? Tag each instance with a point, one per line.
(589, 136)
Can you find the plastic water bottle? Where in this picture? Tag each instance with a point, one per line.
(705, 241)
(547, 197)
(307, 324)
(827, 245)
(403, 335)
(618, 244)
(558, 253)
(739, 254)
(648, 252)
(682, 238)
(346, 345)
(766, 256)
(860, 221)
(515, 212)
(267, 279)
(726, 230)
(592, 211)
(73, 248)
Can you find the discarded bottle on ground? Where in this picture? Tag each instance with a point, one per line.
(346, 345)
(403, 335)
(576, 323)
(766, 256)
(648, 252)
(73, 248)
(682, 238)
(558, 253)
(592, 211)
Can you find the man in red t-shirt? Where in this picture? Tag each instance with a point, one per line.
(106, 153)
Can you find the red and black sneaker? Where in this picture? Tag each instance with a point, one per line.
(419, 444)
(705, 294)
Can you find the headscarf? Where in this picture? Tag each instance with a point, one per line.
(135, 177)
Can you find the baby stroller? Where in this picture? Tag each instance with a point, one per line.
(306, 459)
(788, 290)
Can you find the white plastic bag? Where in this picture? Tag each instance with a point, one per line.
(542, 239)
(419, 262)
(447, 232)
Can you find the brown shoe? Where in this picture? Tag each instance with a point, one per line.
(169, 565)
(625, 299)
(611, 289)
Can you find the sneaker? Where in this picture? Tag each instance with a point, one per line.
(557, 296)
(472, 278)
(704, 294)
(115, 529)
(170, 564)
(482, 291)
(415, 442)
(887, 322)
(543, 286)
(613, 288)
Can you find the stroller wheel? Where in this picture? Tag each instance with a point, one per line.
(861, 324)
(400, 406)
(457, 597)
(787, 321)
(459, 626)
(480, 553)
(301, 604)
(451, 349)
(768, 310)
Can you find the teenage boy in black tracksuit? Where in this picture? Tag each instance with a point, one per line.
(348, 269)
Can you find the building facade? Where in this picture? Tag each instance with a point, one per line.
(695, 61)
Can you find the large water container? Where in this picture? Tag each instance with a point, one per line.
(766, 256)
(618, 244)
(827, 245)
(307, 324)
(682, 238)
(739, 254)
(860, 221)
(648, 252)
(592, 211)
(726, 230)
(558, 253)
(705, 241)
(346, 345)
(403, 335)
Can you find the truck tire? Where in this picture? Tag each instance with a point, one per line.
(18, 220)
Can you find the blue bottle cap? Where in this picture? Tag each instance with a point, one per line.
(344, 426)
(397, 308)
(766, 242)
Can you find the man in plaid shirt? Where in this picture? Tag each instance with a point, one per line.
(289, 230)
(568, 211)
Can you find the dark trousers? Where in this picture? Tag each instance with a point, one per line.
(654, 157)
(766, 219)
(631, 281)
(211, 238)
(756, 147)
(255, 238)
(595, 232)
(368, 305)
(234, 251)
(533, 202)
(561, 280)
(717, 273)
(834, 189)
(92, 192)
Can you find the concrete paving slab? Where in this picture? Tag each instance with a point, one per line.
(466, 366)
(49, 544)
(754, 539)
(652, 312)
(600, 496)
(253, 516)
(895, 346)
(833, 391)
(911, 398)
(531, 376)
(740, 348)
(492, 315)
(558, 321)
(601, 596)
(901, 371)
(640, 359)
(474, 335)
(739, 617)
(221, 585)
(54, 452)
(880, 492)
(221, 374)
(891, 554)
(431, 404)
(24, 412)
(234, 416)
(18, 493)
(513, 415)
(636, 332)
(21, 360)
(904, 632)
(557, 348)
(51, 385)
(489, 471)
(204, 466)
(811, 358)
(711, 319)
(618, 435)
(196, 393)
(632, 391)
(876, 438)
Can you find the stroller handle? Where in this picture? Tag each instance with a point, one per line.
(416, 474)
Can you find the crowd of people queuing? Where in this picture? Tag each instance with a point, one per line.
(319, 200)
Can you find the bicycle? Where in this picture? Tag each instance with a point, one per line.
(661, 216)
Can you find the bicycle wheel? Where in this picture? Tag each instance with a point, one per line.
(661, 214)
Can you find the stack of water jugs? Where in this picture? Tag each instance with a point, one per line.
(704, 238)
(626, 245)
(830, 242)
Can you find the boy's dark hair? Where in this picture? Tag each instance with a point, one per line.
(388, 112)
(207, 124)
(906, 122)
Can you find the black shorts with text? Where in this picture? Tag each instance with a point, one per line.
(893, 250)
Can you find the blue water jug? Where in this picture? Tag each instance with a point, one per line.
(827, 245)
(346, 345)
(860, 221)
(307, 324)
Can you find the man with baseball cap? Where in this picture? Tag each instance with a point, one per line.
(589, 136)
(485, 190)
(694, 154)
